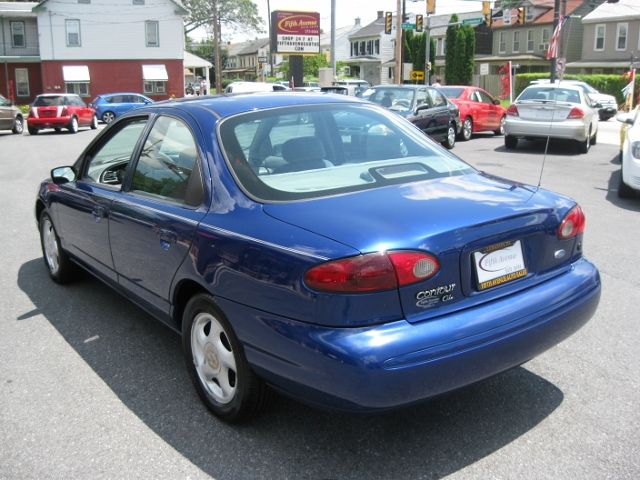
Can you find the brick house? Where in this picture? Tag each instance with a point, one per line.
(91, 47)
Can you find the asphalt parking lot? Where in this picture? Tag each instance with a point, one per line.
(92, 387)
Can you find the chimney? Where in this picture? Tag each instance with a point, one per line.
(380, 14)
(357, 21)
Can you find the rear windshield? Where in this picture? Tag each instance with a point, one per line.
(294, 153)
(556, 94)
(51, 101)
(451, 92)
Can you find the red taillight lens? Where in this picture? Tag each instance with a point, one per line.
(512, 111)
(372, 272)
(572, 225)
(576, 113)
(412, 267)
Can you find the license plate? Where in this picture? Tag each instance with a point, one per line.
(498, 264)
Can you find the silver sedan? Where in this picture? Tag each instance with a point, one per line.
(552, 111)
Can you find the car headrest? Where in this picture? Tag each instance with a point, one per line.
(303, 153)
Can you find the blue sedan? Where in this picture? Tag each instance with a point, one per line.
(109, 106)
(318, 245)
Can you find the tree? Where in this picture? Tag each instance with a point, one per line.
(461, 50)
(313, 63)
(235, 15)
(468, 62)
(451, 57)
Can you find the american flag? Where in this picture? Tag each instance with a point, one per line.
(552, 51)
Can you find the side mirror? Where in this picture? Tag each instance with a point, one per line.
(62, 175)
(496, 101)
(627, 118)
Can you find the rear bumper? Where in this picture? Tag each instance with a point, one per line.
(50, 122)
(398, 363)
(573, 130)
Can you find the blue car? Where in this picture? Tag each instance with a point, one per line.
(109, 106)
(318, 245)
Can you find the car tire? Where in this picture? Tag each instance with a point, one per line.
(217, 365)
(108, 117)
(32, 130)
(450, 140)
(583, 147)
(18, 125)
(61, 269)
(510, 142)
(467, 129)
(594, 138)
(94, 123)
(500, 129)
(73, 125)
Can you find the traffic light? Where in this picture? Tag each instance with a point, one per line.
(388, 22)
(521, 12)
(419, 23)
(431, 7)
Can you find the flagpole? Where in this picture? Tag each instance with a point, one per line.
(556, 21)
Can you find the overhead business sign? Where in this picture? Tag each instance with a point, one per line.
(295, 32)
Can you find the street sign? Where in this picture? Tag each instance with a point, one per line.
(262, 59)
(417, 75)
(408, 26)
(473, 21)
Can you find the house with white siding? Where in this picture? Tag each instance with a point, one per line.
(91, 47)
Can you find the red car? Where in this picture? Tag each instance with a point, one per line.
(479, 111)
(58, 111)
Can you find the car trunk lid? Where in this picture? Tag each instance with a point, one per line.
(460, 220)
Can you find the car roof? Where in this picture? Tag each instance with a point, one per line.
(110, 94)
(58, 95)
(230, 104)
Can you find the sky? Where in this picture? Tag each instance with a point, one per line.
(348, 10)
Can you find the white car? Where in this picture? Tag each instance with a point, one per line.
(552, 111)
(253, 87)
(630, 154)
(609, 105)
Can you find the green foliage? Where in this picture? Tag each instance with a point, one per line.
(313, 63)
(451, 60)
(24, 109)
(604, 83)
(415, 49)
(235, 15)
(461, 49)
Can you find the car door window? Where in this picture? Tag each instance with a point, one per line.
(109, 162)
(421, 97)
(484, 98)
(437, 99)
(168, 167)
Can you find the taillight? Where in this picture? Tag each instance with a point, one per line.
(512, 111)
(372, 272)
(572, 224)
(576, 113)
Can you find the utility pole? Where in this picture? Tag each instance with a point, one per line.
(333, 39)
(216, 46)
(399, 14)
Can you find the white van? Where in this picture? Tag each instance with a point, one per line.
(252, 87)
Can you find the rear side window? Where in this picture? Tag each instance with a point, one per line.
(168, 166)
